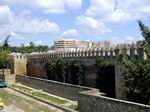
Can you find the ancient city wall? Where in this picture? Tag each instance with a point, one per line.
(89, 99)
(34, 64)
(38, 60)
(57, 88)
(18, 64)
(93, 103)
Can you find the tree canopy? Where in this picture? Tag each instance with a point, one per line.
(4, 53)
(29, 49)
(137, 73)
(145, 31)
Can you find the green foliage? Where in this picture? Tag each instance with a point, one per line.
(29, 49)
(145, 31)
(4, 59)
(137, 80)
(76, 72)
(103, 62)
(105, 76)
(137, 73)
(50, 69)
(60, 70)
(4, 53)
(69, 71)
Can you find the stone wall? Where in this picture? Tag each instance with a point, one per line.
(7, 76)
(119, 82)
(36, 68)
(18, 64)
(88, 102)
(34, 64)
(61, 89)
(89, 99)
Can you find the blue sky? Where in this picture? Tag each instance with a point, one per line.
(43, 21)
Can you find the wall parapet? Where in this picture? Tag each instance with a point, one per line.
(87, 53)
(89, 102)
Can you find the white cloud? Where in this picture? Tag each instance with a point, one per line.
(26, 13)
(102, 13)
(39, 42)
(125, 39)
(118, 11)
(74, 4)
(71, 33)
(33, 26)
(21, 26)
(10, 2)
(54, 6)
(99, 8)
(5, 15)
(47, 6)
(118, 16)
(16, 36)
(92, 26)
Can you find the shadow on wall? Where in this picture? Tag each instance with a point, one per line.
(106, 80)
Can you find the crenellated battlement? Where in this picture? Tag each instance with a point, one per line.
(18, 63)
(18, 56)
(131, 51)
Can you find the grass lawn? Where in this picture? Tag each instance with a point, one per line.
(74, 107)
(49, 98)
(39, 94)
(22, 103)
(22, 88)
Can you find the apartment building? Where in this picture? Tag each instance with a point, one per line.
(73, 44)
(63, 44)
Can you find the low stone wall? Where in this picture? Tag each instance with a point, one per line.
(89, 102)
(89, 99)
(57, 88)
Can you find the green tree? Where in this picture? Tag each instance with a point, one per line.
(145, 31)
(29, 49)
(60, 70)
(76, 72)
(105, 76)
(50, 70)
(4, 54)
(70, 71)
(137, 80)
(136, 73)
(4, 59)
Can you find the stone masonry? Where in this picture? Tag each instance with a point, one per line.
(34, 64)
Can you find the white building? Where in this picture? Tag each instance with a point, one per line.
(73, 44)
(63, 44)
